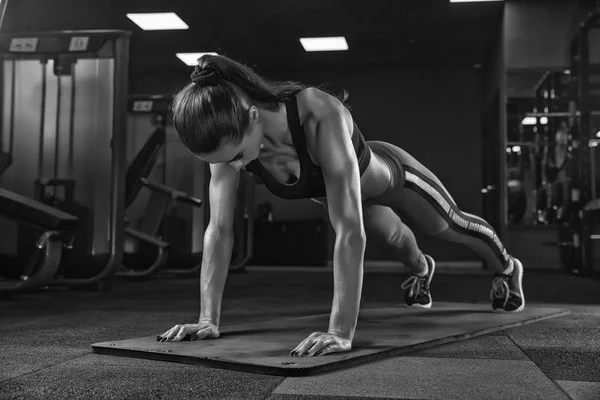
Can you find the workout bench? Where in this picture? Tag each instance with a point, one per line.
(57, 229)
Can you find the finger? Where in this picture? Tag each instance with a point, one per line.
(295, 352)
(331, 345)
(191, 333)
(164, 334)
(302, 347)
(303, 352)
(182, 333)
(313, 346)
(308, 342)
(297, 349)
(162, 337)
(319, 345)
(324, 350)
(187, 332)
(173, 333)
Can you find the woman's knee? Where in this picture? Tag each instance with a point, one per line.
(398, 235)
(382, 222)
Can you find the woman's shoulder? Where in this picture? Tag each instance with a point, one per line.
(316, 103)
(317, 98)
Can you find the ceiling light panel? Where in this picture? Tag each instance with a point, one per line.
(166, 21)
(191, 59)
(336, 43)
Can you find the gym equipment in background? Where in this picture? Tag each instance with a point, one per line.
(148, 229)
(55, 231)
(64, 116)
(517, 201)
(5, 156)
(577, 230)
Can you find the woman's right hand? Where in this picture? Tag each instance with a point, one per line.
(186, 332)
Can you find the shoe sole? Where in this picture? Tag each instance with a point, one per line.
(522, 306)
(428, 305)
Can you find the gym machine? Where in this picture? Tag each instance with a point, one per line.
(553, 150)
(585, 212)
(579, 228)
(63, 109)
(162, 197)
(5, 156)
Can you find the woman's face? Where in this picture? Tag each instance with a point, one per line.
(241, 154)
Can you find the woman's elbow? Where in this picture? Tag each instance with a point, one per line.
(352, 232)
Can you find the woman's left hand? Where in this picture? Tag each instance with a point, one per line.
(321, 343)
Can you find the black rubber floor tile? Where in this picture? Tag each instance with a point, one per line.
(483, 347)
(316, 397)
(96, 377)
(17, 360)
(567, 364)
(581, 390)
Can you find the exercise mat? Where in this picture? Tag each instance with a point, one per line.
(381, 333)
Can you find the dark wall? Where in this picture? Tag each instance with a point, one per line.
(494, 110)
(538, 33)
(432, 113)
(538, 36)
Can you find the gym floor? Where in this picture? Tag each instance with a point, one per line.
(45, 340)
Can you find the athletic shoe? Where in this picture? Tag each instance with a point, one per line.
(507, 290)
(417, 287)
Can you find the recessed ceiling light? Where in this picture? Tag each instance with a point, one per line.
(337, 43)
(158, 21)
(191, 59)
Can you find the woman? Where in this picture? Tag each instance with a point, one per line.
(303, 143)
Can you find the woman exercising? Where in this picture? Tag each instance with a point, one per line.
(303, 143)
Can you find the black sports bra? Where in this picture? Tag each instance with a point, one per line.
(311, 183)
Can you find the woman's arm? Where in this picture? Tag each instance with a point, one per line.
(342, 179)
(218, 241)
(216, 257)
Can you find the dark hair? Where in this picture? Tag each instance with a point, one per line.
(209, 111)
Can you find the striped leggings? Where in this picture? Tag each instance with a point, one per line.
(417, 197)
